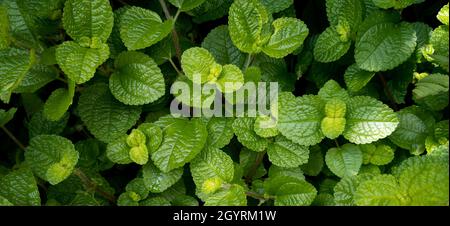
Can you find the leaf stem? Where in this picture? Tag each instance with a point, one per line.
(175, 67)
(91, 184)
(175, 37)
(337, 143)
(252, 171)
(176, 15)
(248, 61)
(388, 91)
(13, 138)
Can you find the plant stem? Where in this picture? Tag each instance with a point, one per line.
(252, 171)
(176, 15)
(248, 61)
(175, 67)
(13, 138)
(91, 184)
(388, 91)
(175, 38)
(337, 143)
(255, 195)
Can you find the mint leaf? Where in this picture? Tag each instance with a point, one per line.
(295, 194)
(243, 127)
(329, 46)
(345, 160)
(286, 153)
(19, 187)
(356, 78)
(156, 180)
(432, 91)
(186, 5)
(6, 116)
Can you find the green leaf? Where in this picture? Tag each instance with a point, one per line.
(105, 117)
(38, 76)
(377, 155)
(51, 157)
(345, 160)
(233, 196)
(329, 47)
(4, 28)
(156, 180)
(356, 78)
(88, 18)
(285, 153)
(141, 28)
(382, 190)
(243, 128)
(432, 91)
(315, 162)
(39, 124)
(368, 120)
(118, 151)
(385, 46)
(23, 25)
(288, 35)
(265, 126)
(211, 163)
(19, 188)
(218, 43)
(139, 154)
(438, 50)
(396, 4)
(14, 65)
(304, 128)
(246, 20)
(198, 63)
(344, 191)
(179, 147)
(347, 11)
(443, 15)
(153, 136)
(6, 116)
(220, 132)
(230, 79)
(332, 90)
(59, 102)
(80, 63)
(410, 133)
(275, 6)
(300, 193)
(186, 5)
(137, 79)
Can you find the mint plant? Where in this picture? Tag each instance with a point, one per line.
(224, 102)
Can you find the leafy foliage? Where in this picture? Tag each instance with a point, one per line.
(100, 103)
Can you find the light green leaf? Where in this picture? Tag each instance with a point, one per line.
(385, 46)
(51, 157)
(396, 4)
(303, 128)
(137, 79)
(438, 50)
(220, 131)
(432, 91)
(139, 154)
(198, 63)
(332, 90)
(19, 187)
(6, 116)
(14, 65)
(356, 78)
(243, 127)
(377, 154)
(141, 28)
(88, 18)
(178, 146)
(233, 196)
(410, 133)
(153, 136)
(118, 151)
(155, 201)
(211, 163)
(59, 102)
(186, 5)
(38, 76)
(382, 190)
(218, 43)
(230, 79)
(344, 191)
(345, 160)
(80, 63)
(285, 153)
(329, 47)
(265, 126)
(300, 193)
(275, 6)
(156, 180)
(368, 120)
(443, 15)
(288, 35)
(315, 162)
(105, 117)
(246, 20)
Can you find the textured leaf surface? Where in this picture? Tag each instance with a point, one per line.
(382, 190)
(385, 46)
(288, 35)
(378, 155)
(243, 128)
(186, 5)
(432, 91)
(141, 28)
(51, 157)
(345, 160)
(443, 15)
(275, 6)
(179, 146)
(303, 128)
(315, 162)
(220, 131)
(88, 18)
(410, 133)
(105, 117)
(230, 79)
(14, 64)
(6, 116)
(38, 76)
(356, 78)
(19, 188)
(198, 63)
(80, 63)
(368, 120)
(233, 196)
(286, 153)
(118, 151)
(137, 79)
(329, 46)
(301, 193)
(156, 180)
(59, 102)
